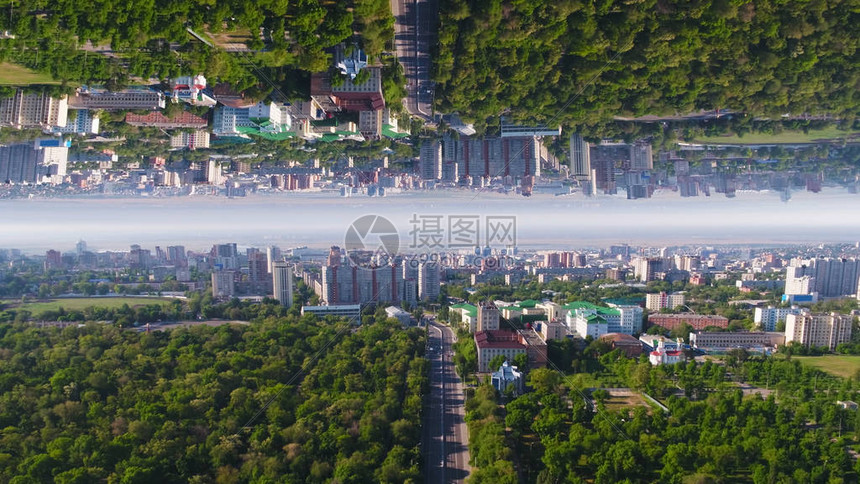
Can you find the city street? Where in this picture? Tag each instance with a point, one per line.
(415, 23)
(445, 436)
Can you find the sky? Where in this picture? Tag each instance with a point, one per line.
(318, 220)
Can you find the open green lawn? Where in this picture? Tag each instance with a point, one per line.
(786, 137)
(840, 365)
(15, 75)
(72, 304)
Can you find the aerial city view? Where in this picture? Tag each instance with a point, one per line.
(430, 241)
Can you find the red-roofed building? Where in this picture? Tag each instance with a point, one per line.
(697, 321)
(497, 342)
(662, 356)
(365, 98)
(157, 120)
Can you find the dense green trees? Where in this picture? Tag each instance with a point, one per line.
(488, 450)
(211, 404)
(712, 434)
(649, 57)
(150, 39)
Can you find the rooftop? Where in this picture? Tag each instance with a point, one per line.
(682, 316)
(621, 339)
(497, 339)
(388, 131)
(471, 310)
(601, 310)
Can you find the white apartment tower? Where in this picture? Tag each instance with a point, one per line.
(430, 160)
(767, 318)
(428, 281)
(282, 281)
(580, 157)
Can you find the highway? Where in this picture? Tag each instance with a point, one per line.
(444, 434)
(415, 25)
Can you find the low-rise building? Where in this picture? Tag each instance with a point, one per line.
(697, 321)
(498, 342)
(766, 285)
(507, 376)
(352, 311)
(661, 300)
(628, 345)
(535, 348)
(591, 320)
(653, 341)
(156, 119)
(551, 330)
(724, 340)
(126, 100)
(399, 314)
(553, 311)
(468, 315)
(662, 356)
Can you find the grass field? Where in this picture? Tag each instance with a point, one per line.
(839, 365)
(15, 75)
(786, 137)
(73, 304)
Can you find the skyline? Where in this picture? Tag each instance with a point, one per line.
(316, 220)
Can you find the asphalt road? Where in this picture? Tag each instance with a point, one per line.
(445, 436)
(415, 25)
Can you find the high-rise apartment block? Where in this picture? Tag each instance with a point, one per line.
(282, 278)
(223, 284)
(646, 268)
(818, 329)
(190, 139)
(430, 160)
(351, 284)
(829, 277)
(33, 110)
(493, 157)
(428, 281)
(580, 157)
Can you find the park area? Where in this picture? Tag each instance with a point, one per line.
(845, 366)
(15, 75)
(621, 398)
(785, 137)
(38, 307)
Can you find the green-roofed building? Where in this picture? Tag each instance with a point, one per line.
(580, 317)
(389, 132)
(468, 314)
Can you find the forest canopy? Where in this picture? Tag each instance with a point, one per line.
(531, 57)
(104, 404)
